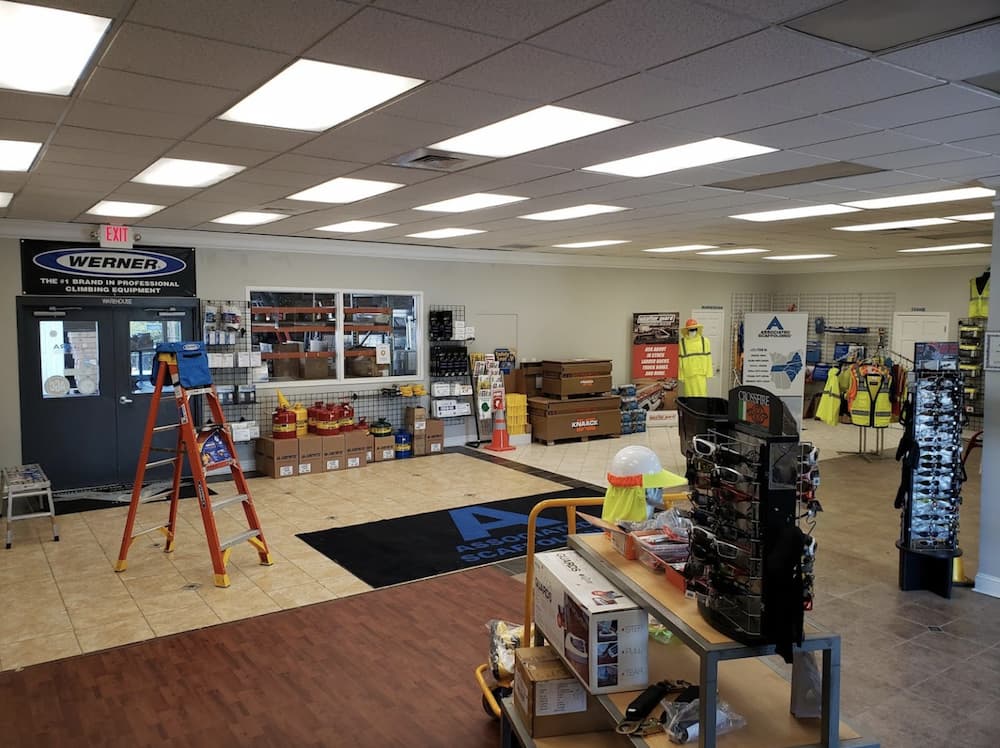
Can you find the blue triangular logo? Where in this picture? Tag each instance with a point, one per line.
(774, 324)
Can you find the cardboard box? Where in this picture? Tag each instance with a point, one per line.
(315, 368)
(278, 458)
(550, 700)
(356, 448)
(415, 419)
(434, 434)
(532, 373)
(384, 448)
(311, 455)
(419, 443)
(514, 382)
(370, 450)
(334, 453)
(286, 368)
(598, 631)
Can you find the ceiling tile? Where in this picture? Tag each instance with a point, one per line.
(640, 97)
(888, 182)
(92, 157)
(399, 174)
(729, 116)
(33, 107)
(376, 137)
(392, 43)
(770, 10)
(567, 182)
(967, 170)
(103, 8)
(988, 144)
(166, 54)
(219, 154)
(294, 180)
(95, 116)
(935, 154)
(511, 172)
(918, 106)
(512, 19)
(453, 105)
(54, 168)
(16, 129)
(802, 132)
(51, 205)
(97, 187)
(621, 142)
(79, 137)
(152, 193)
(274, 26)
(871, 144)
(534, 74)
(293, 162)
(108, 86)
(954, 57)
(639, 34)
(239, 135)
(779, 161)
(857, 83)
(961, 127)
(241, 189)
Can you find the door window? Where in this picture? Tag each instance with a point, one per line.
(143, 337)
(69, 353)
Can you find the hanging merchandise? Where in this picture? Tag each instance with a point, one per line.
(829, 405)
(694, 360)
(979, 295)
(871, 406)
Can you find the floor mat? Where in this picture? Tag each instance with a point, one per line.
(399, 550)
(87, 501)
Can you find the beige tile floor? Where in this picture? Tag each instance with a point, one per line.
(64, 598)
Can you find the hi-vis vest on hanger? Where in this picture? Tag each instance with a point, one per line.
(871, 405)
(979, 301)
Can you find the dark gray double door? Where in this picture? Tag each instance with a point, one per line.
(84, 370)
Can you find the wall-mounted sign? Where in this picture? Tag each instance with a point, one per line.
(775, 355)
(116, 237)
(51, 268)
(654, 345)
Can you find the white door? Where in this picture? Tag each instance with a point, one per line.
(714, 323)
(918, 327)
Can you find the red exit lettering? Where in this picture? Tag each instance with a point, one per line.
(116, 233)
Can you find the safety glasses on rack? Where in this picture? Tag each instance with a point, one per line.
(722, 475)
(809, 455)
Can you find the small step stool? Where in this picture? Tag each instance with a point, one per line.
(26, 481)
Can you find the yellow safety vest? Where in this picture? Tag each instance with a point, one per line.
(871, 405)
(829, 404)
(979, 303)
(695, 365)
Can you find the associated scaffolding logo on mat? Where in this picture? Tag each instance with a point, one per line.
(774, 329)
(83, 261)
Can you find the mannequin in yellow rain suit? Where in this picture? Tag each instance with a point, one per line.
(694, 365)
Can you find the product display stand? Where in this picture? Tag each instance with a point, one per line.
(863, 444)
(449, 366)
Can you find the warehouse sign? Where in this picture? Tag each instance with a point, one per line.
(72, 268)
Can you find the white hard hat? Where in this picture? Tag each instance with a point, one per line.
(635, 460)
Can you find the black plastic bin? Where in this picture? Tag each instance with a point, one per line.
(699, 415)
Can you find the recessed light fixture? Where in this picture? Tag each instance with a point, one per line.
(577, 211)
(249, 218)
(5, 198)
(788, 214)
(182, 172)
(947, 248)
(356, 227)
(17, 155)
(315, 96)
(922, 198)
(538, 128)
(597, 243)
(475, 201)
(701, 153)
(740, 251)
(44, 50)
(681, 248)
(798, 257)
(910, 224)
(972, 217)
(344, 190)
(445, 233)
(120, 209)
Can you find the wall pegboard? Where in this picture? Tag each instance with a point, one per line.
(370, 404)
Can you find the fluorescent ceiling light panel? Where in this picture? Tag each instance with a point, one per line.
(701, 153)
(17, 155)
(44, 50)
(119, 209)
(681, 248)
(5, 198)
(538, 128)
(475, 201)
(315, 96)
(249, 218)
(798, 257)
(356, 227)
(923, 198)
(910, 224)
(445, 233)
(182, 172)
(741, 251)
(947, 248)
(598, 243)
(972, 217)
(577, 211)
(789, 214)
(344, 190)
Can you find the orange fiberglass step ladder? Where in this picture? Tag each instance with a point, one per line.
(173, 366)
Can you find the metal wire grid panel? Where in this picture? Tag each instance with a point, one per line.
(218, 317)
(371, 404)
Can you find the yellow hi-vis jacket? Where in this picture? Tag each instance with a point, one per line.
(979, 303)
(694, 366)
(829, 405)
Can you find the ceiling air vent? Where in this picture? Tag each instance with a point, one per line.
(436, 160)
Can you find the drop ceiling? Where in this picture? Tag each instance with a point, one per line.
(680, 70)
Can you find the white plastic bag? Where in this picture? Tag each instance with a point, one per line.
(807, 686)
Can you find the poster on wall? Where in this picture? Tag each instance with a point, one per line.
(775, 355)
(654, 345)
(57, 268)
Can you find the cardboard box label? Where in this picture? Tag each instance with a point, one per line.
(333, 464)
(559, 697)
(436, 446)
(286, 471)
(388, 454)
(418, 425)
(353, 462)
(305, 467)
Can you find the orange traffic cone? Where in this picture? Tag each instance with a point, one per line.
(501, 440)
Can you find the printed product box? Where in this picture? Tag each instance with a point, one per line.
(334, 453)
(370, 450)
(415, 419)
(549, 699)
(384, 448)
(599, 632)
(434, 434)
(356, 448)
(311, 455)
(419, 443)
(278, 458)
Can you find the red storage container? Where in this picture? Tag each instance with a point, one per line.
(283, 423)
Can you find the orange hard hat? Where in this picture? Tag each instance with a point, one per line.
(692, 322)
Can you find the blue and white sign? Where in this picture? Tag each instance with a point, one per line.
(775, 355)
(69, 268)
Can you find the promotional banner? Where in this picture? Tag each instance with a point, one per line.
(775, 355)
(51, 268)
(654, 345)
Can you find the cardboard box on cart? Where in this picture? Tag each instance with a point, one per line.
(598, 631)
(549, 699)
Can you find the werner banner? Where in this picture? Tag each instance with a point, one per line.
(775, 358)
(654, 345)
(50, 268)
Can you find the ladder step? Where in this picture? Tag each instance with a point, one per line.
(168, 427)
(146, 532)
(199, 391)
(218, 504)
(157, 463)
(236, 539)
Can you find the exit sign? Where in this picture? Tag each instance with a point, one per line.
(118, 237)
